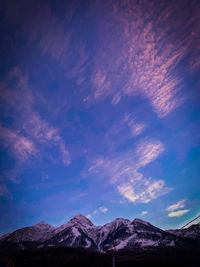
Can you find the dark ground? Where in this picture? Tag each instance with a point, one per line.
(75, 257)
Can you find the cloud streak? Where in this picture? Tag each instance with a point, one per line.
(19, 145)
(180, 204)
(46, 134)
(124, 174)
(101, 209)
(178, 213)
(145, 48)
(144, 212)
(128, 126)
(29, 133)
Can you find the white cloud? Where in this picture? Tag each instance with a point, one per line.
(103, 209)
(154, 190)
(100, 209)
(146, 190)
(95, 211)
(179, 205)
(178, 213)
(144, 212)
(123, 172)
(147, 151)
(127, 191)
(89, 216)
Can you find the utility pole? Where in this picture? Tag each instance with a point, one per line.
(113, 261)
(113, 258)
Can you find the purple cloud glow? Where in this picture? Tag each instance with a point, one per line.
(27, 120)
(100, 109)
(123, 172)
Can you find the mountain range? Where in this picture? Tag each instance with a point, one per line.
(118, 234)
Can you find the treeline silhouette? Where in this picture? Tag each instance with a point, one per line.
(75, 257)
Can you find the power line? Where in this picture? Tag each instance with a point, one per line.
(190, 222)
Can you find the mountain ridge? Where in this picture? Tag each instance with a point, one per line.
(118, 234)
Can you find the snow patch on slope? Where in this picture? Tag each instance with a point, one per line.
(124, 243)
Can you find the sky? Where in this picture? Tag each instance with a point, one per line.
(100, 111)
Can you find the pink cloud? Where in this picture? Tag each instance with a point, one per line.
(44, 133)
(65, 154)
(17, 144)
(100, 84)
(130, 127)
(143, 189)
(24, 147)
(40, 129)
(147, 151)
(139, 53)
(36, 131)
(123, 172)
(116, 98)
(136, 128)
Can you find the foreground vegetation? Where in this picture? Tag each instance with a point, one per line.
(75, 257)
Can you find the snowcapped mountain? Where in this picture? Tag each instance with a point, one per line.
(75, 233)
(120, 234)
(38, 232)
(192, 232)
(123, 233)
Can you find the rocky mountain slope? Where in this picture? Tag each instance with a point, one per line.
(192, 232)
(118, 234)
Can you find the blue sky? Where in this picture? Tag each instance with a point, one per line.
(100, 111)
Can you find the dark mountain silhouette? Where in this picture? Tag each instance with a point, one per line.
(118, 234)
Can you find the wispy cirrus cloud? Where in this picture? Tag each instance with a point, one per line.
(144, 212)
(140, 53)
(44, 133)
(178, 213)
(101, 209)
(143, 193)
(29, 134)
(148, 151)
(175, 210)
(124, 175)
(128, 126)
(19, 145)
(89, 216)
(180, 204)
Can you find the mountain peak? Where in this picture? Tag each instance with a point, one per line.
(137, 220)
(41, 223)
(79, 218)
(122, 219)
(120, 233)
